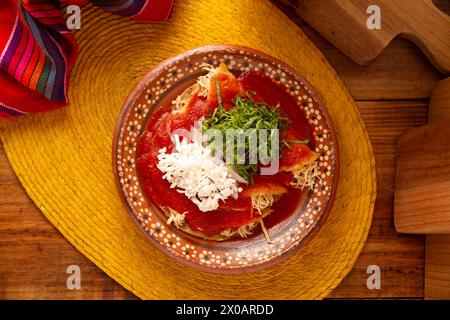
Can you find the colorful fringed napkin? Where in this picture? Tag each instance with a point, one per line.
(37, 50)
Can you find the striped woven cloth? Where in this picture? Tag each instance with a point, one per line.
(37, 51)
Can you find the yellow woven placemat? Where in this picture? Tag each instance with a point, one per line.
(63, 158)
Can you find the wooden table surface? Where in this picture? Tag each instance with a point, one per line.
(392, 95)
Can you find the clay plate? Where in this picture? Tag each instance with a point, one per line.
(158, 88)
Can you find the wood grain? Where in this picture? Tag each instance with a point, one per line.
(437, 264)
(437, 267)
(422, 188)
(35, 256)
(346, 27)
(422, 184)
(401, 71)
(400, 257)
(440, 102)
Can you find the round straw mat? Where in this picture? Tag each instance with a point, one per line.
(63, 158)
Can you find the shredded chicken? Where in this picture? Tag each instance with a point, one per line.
(243, 231)
(265, 231)
(305, 177)
(262, 201)
(183, 99)
(204, 82)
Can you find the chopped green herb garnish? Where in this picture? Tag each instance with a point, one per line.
(250, 116)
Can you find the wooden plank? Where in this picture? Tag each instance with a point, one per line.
(401, 72)
(35, 256)
(440, 102)
(400, 257)
(437, 267)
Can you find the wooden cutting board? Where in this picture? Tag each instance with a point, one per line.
(422, 185)
(344, 24)
(422, 181)
(422, 190)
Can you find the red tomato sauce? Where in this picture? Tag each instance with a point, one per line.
(231, 213)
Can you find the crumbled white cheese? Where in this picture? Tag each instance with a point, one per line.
(192, 169)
